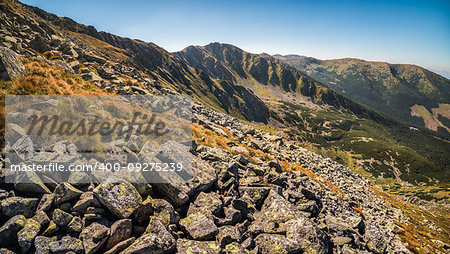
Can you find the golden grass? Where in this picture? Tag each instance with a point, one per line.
(44, 79)
(417, 232)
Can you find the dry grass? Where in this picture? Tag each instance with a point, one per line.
(287, 166)
(417, 232)
(44, 79)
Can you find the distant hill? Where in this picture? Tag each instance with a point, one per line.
(405, 92)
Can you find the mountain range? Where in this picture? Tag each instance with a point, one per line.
(409, 93)
(266, 116)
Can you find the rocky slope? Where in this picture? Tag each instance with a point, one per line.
(253, 191)
(390, 88)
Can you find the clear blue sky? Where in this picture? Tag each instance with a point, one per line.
(416, 32)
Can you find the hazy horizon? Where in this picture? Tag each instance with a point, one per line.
(406, 32)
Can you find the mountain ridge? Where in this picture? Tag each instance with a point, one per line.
(390, 88)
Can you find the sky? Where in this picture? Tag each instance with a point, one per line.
(413, 32)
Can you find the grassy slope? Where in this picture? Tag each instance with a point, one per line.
(389, 88)
(380, 149)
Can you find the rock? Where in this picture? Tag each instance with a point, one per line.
(143, 212)
(199, 227)
(93, 237)
(311, 238)
(39, 44)
(65, 245)
(120, 231)
(150, 243)
(232, 216)
(341, 240)
(61, 218)
(164, 211)
(51, 229)
(41, 244)
(276, 244)
(185, 246)
(29, 181)
(27, 234)
(65, 192)
(87, 199)
(24, 147)
(275, 212)
(227, 235)
(375, 240)
(207, 202)
(16, 205)
(257, 194)
(75, 225)
(10, 228)
(178, 191)
(11, 68)
(276, 166)
(166, 240)
(120, 198)
(121, 246)
(94, 58)
(91, 76)
(42, 218)
(45, 203)
(234, 248)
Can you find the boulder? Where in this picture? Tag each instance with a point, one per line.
(199, 227)
(9, 230)
(11, 68)
(120, 198)
(120, 231)
(16, 205)
(276, 244)
(65, 245)
(41, 244)
(227, 235)
(61, 218)
(308, 235)
(185, 246)
(209, 202)
(87, 199)
(164, 211)
(274, 214)
(376, 242)
(65, 192)
(234, 248)
(27, 234)
(179, 190)
(75, 225)
(40, 44)
(156, 239)
(93, 237)
(121, 246)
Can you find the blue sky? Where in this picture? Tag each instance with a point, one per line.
(416, 32)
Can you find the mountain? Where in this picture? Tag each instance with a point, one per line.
(282, 163)
(406, 92)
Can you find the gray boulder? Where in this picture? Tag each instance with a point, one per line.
(120, 198)
(11, 68)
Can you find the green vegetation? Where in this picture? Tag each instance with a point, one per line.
(386, 151)
(388, 88)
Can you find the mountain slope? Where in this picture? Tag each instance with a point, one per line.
(395, 89)
(256, 184)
